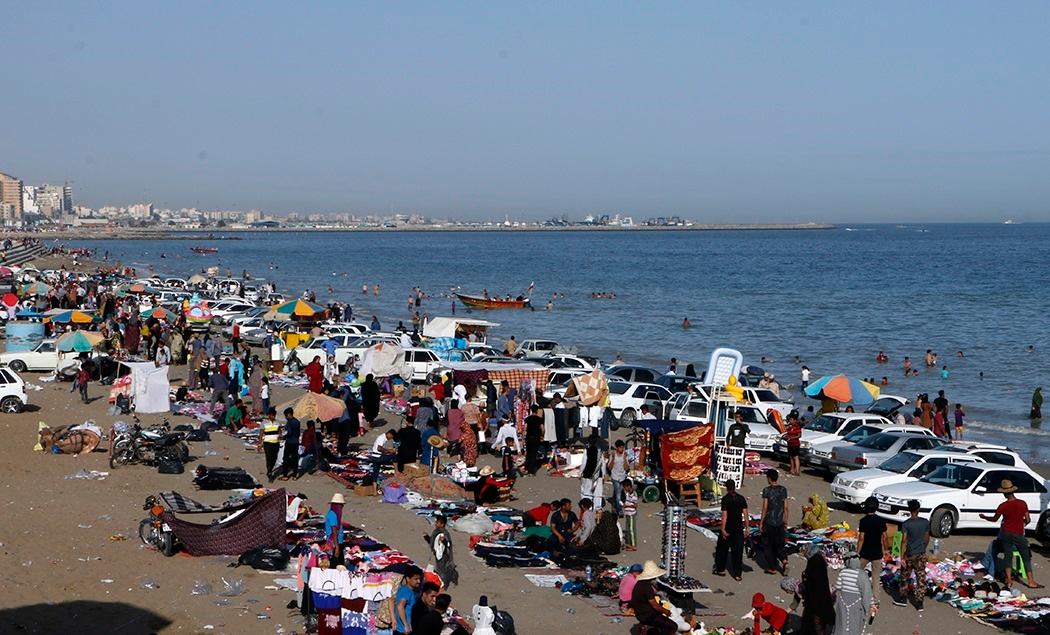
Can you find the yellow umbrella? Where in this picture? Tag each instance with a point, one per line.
(315, 406)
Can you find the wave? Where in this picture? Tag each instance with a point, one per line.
(1007, 428)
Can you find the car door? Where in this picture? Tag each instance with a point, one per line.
(983, 498)
(850, 426)
(677, 404)
(1032, 492)
(44, 357)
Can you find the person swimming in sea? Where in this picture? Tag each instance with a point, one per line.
(685, 323)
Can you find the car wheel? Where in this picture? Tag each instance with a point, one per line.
(1041, 528)
(627, 418)
(11, 405)
(942, 522)
(18, 366)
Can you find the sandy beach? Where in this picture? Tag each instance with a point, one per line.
(63, 570)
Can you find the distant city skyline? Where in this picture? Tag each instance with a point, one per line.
(714, 112)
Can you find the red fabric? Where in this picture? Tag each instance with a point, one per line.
(540, 513)
(686, 453)
(1013, 512)
(315, 373)
(438, 391)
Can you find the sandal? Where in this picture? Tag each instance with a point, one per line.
(737, 578)
(720, 574)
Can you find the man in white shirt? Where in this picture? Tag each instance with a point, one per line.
(163, 356)
(805, 376)
(507, 430)
(645, 412)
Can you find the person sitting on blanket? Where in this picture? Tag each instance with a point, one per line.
(816, 514)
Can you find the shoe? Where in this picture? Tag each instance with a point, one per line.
(897, 602)
(920, 607)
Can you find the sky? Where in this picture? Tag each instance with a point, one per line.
(716, 111)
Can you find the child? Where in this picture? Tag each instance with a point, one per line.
(959, 414)
(508, 458)
(629, 503)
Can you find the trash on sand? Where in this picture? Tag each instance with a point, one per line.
(200, 587)
(211, 453)
(106, 580)
(83, 526)
(105, 517)
(150, 584)
(117, 537)
(231, 588)
(87, 475)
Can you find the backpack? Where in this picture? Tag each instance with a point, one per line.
(502, 622)
(265, 559)
(170, 466)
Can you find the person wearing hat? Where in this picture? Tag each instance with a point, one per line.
(333, 523)
(627, 583)
(486, 491)
(646, 603)
(1014, 514)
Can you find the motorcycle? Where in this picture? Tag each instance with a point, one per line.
(134, 444)
(153, 531)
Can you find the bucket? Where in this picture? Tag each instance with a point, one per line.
(24, 336)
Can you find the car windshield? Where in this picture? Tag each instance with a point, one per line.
(751, 415)
(953, 475)
(766, 395)
(878, 442)
(824, 423)
(860, 434)
(901, 463)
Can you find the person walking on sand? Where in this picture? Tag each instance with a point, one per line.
(916, 532)
(1015, 516)
(729, 550)
(774, 519)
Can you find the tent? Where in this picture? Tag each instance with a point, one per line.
(149, 387)
(385, 360)
(456, 327)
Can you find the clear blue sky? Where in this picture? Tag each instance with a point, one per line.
(749, 111)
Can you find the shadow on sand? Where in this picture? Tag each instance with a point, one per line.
(83, 617)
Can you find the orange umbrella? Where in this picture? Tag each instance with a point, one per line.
(315, 406)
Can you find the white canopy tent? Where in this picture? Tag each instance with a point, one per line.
(385, 360)
(448, 326)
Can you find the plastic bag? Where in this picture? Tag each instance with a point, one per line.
(474, 524)
(200, 587)
(231, 588)
(86, 475)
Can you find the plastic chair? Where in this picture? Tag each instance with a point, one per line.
(898, 542)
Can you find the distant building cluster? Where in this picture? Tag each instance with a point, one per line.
(51, 206)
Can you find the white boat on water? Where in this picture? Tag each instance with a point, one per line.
(1010, 222)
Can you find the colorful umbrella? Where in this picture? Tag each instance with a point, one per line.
(843, 389)
(160, 313)
(79, 341)
(10, 299)
(6, 272)
(138, 287)
(69, 316)
(296, 309)
(37, 288)
(315, 406)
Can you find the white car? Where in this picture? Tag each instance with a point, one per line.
(345, 328)
(830, 426)
(692, 406)
(626, 400)
(223, 310)
(766, 400)
(563, 375)
(13, 395)
(569, 362)
(819, 454)
(856, 486)
(535, 349)
(953, 496)
(423, 362)
(44, 357)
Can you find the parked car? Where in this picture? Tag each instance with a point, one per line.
(564, 375)
(871, 452)
(13, 395)
(953, 496)
(223, 310)
(627, 398)
(830, 426)
(678, 383)
(856, 486)
(628, 372)
(423, 362)
(766, 400)
(886, 406)
(820, 453)
(345, 328)
(569, 361)
(43, 357)
(535, 349)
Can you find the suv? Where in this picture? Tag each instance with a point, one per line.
(535, 349)
(13, 396)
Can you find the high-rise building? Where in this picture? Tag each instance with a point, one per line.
(51, 200)
(11, 199)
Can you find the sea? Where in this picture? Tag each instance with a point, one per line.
(976, 294)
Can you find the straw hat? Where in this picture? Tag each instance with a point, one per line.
(337, 498)
(486, 471)
(1007, 487)
(650, 571)
(437, 441)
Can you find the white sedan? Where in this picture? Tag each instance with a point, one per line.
(44, 357)
(856, 486)
(955, 495)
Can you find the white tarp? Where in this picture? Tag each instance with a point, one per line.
(385, 360)
(447, 326)
(150, 387)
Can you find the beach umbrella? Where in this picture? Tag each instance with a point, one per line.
(296, 310)
(10, 299)
(138, 287)
(69, 316)
(843, 389)
(6, 272)
(79, 341)
(37, 288)
(315, 406)
(160, 313)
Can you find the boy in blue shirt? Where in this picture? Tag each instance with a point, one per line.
(404, 600)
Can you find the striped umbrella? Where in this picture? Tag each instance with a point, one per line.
(843, 389)
(37, 288)
(160, 313)
(69, 316)
(79, 341)
(296, 310)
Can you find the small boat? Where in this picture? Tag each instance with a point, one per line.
(204, 250)
(479, 302)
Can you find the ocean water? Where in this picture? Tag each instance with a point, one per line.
(833, 297)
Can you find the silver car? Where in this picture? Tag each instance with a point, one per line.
(877, 448)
